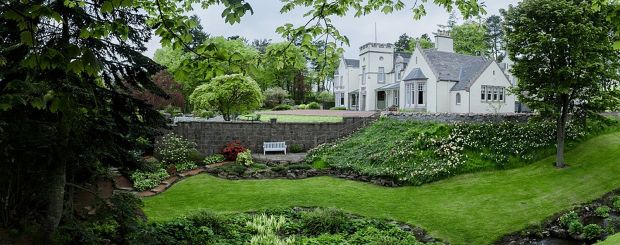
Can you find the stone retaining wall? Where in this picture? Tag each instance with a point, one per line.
(211, 137)
(456, 117)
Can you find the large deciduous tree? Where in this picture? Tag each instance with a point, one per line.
(564, 59)
(470, 38)
(230, 95)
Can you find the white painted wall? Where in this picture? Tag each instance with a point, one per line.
(418, 61)
(442, 96)
(370, 57)
(488, 78)
(463, 107)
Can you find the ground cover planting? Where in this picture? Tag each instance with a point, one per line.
(279, 226)
(475, 208)
(417, 152)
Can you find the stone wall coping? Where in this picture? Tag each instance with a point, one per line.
(395, 113)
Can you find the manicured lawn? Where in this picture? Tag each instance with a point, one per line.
(300, 118)
(612, 240)
(468, 209)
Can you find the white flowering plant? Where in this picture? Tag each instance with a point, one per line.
(174, 149)
(420, 152)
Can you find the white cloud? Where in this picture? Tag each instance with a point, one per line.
(267, 17)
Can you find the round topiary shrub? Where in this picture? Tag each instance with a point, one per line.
(313, 106)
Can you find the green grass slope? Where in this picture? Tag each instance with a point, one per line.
(468, 209)
(612, 240)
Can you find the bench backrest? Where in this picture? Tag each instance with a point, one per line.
(274, 145)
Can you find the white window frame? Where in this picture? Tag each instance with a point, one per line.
(458, 98)
(409, 95)
(421, 93)
(381, 75)
(493, 93)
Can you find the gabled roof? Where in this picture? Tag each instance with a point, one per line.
(352, 63)
(415, 74)
(460, 68)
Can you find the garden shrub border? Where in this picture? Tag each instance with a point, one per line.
(553, 227)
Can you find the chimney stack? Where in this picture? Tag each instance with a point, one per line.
(444, 42)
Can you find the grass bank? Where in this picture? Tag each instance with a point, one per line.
(473, 208)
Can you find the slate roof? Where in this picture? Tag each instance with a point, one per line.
(406, 58)
(352, 63)
(463, 69)
(415, 74)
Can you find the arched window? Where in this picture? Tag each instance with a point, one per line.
(458, 98)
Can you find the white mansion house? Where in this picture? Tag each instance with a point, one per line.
(428, 80)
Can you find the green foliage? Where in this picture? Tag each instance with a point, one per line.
(218, 56)
(338, 108)
(274, 96)
(302, 107)
(230, 95)
(602, 211)
(267, 228)
(313, 106)
(245, 158)
(404, 43)
(204, 114)
(215, 158)
(233, 168)
(282, 108)
(374, 236)
(425, 42)
(174, 149)
(583, 35)
(321, 221)
(115, 220)
(568, 218)
(495, 37)
(296, 148)
(470, 38)
(143, 181)
(592, 232)
(417, 153)
(325, 97)
(575, 228)
(616, 203)
(182, 167)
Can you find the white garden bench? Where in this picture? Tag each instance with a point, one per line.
(274, 146)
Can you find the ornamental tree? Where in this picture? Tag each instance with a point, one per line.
(564, 60)
(230, 95)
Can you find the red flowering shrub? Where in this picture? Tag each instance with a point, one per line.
(232, 149)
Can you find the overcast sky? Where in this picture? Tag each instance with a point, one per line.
(360, 30)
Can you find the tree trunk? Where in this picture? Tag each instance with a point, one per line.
(561, 131)
(56, 196)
